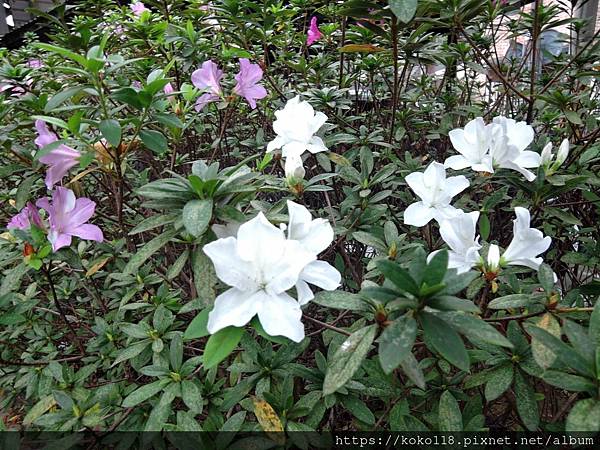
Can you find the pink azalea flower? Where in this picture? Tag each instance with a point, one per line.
(27, 216)
(207, 77)
(314, 34)
(60, 159)
(68, 217)
(138, 8)
(247, 82)
(135, 84)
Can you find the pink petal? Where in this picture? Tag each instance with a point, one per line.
(81, 213)
(88, 232)
(59, 241)
(45, 136)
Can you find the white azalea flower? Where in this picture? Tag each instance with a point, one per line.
(493, 258)
(295, 126)
(260, 265)
(473, 144)
(436, 192)
(509, 141)
(314, 236)
(548, 161)
(460, 235)
(294, 168)
(527, 243)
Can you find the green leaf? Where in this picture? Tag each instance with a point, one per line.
(43, 405)
(585, 416)
(445, 340)
(348, 358)
(410, 366)
(568, 382)
(594, 330)
(12, 279)
(144, 392)
(474, 328)
(404, 10)
(396, 342)
(192, 396)
(111, 130)
(52, 120)
(511, 301)
(573, 117)
(499, 380)
(131, 352)
(155, 141)
(484, 226)
(359, 409)
(24, 191)
(449, 415)
(197, 327)
(205, 278)
(397, 275)
(341, 300)
(176, 352)
(546, 277)
(436, 268)
(147, 251)
(178, 265)
(153, 222)
(196, 216)
(220, 345)
(80, 59)
(527, 406)
(563, 351)
(160, 412)
(60, 97)
(543, 354)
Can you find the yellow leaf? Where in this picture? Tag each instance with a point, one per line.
(338, 159)
(268, 420)
(360, 48)
(96, 267)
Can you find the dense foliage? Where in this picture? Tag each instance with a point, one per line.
(179, 177)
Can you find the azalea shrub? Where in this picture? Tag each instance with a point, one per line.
(299, 216)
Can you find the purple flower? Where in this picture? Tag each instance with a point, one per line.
(68, 217)
(168, 89)
(314, 34)
(60, 159)
(247, 79)
(27, 216)
(207, 77)
(138, 8)
(35, 63)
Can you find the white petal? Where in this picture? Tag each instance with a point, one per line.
(232, 308)
(457, 162)
(528, 159)
(546, 155)
(455, 185)
(305, 294)
(276, 143)
(416, 182)
(283, 274)
(529, 176)
(316, 145)
(322, 274)
(260, 242)
(299, 221)
(418, 215)
(563, 152)
(293, 149)
(229, 267)
(280, 316)
(493, 257)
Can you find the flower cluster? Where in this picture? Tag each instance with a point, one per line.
(262, 263)
(296, 125)
(482, 147)
(497, 145)
(67, 215)
(208, 79)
